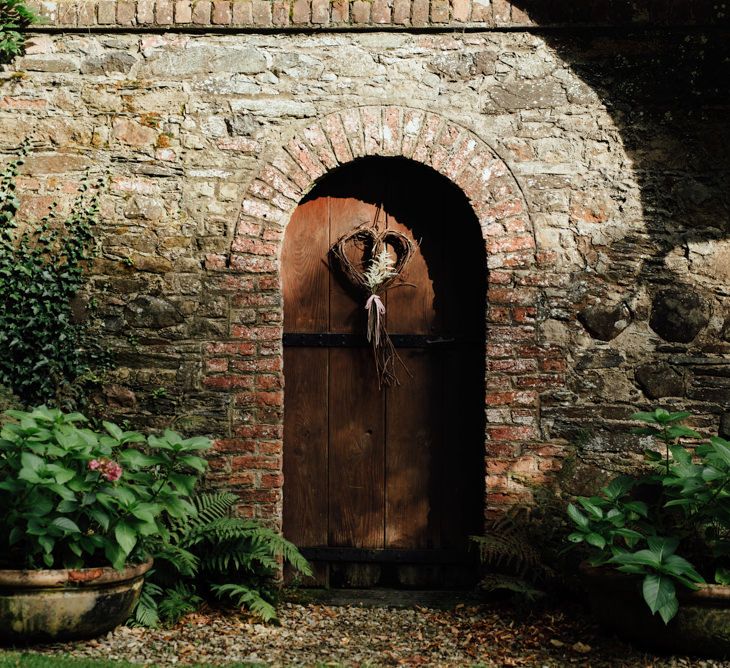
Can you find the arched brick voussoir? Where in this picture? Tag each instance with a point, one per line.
(423, 136)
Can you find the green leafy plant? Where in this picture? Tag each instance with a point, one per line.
(513, 563)
(73, 497)
(45, 353)
(638, 524)
(14, 18)
(216, 556)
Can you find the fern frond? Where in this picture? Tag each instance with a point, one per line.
(497, 582)
(508, 550)
(183, 561)
(178, 601)
(146, 613)
(245, 597)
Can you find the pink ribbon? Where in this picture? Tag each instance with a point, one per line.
(374, 317)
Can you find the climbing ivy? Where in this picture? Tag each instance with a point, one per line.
(46, 354)
(14, 18)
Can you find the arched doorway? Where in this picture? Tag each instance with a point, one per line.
(383, 486)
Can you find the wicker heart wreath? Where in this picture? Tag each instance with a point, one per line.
(379, 272)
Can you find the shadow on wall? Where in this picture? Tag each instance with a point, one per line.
(668, 92)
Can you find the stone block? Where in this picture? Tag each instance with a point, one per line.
(679, 315)
(201, 12)
(221, 14)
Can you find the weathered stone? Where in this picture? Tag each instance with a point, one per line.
(200, 59)
(659, 379)
(463, 66)
(679, 315)
(119, 396)
(152, 312)
(133, 133)
(605, 322)
(57, 62)
(724, 430)
(144, 208)
(241, 124)
(121, 62)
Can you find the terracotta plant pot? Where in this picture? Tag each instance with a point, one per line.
(701, 627)
(67, 604)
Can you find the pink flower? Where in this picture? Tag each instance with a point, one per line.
(112, 471)
(109, 470)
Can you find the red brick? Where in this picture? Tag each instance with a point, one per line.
(510, 244)
(163, 12)
(440, 11)
(260, 431)
(340, 11)
(501, 12)
(269, 447)
(216, 364)
(231, 348)
(512, 366)
(234, 445)
(524, 313)
(262, 13)
(269, 382)
(461, 10)
(242, 13)
(256, 333)
(511, 398)
(402, 12)
(555, 365)
(511, 433)
(380, 12)
(361, 11)
(228, 382)
(321, 12)
(126, 13)
(255, 463)
(260, 399)
(301, 11)
(201, 12)
(521, 296)
(221, 12)
(272, 480)
(183, 12)
(419, 13)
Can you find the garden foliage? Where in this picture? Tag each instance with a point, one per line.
(669, 525)
(14, 18)
(45, 354)
(214, 555)
(71, 497)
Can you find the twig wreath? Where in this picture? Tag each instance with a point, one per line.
(379, 272)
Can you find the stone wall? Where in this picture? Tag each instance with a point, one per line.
(605, 214)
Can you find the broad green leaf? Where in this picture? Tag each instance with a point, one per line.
(199, 464)
(116, 555)
(113, 430)
(31, 461)
(596, 540)
(722, 576)
(126, 536)
(575, 537)
(67, 506)
(676, 565)
(136, 459)
(662, 547)
(659, 592)
(47, 543)
(579, 518)
(638, 507)
(680, 431)
(722, 448)
(640, 558)
(66, 524)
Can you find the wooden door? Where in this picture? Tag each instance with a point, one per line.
(378, 477)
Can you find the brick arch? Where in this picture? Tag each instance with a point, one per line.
(250, 363)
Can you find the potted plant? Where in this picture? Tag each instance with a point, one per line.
(664, 535)
(79, 509)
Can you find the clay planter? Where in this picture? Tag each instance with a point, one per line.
(51, 605)
(701, 627)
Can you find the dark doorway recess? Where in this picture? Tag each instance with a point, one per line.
(383, 487)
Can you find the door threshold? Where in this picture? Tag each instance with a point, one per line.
(441, 599)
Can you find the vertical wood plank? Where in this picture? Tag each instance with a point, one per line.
(305, 278)
(305, 452)
(414, 450)
(356, 454)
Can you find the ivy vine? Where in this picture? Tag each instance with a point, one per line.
(15, 17)
(47, 355)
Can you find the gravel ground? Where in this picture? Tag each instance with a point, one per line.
(316, 634)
